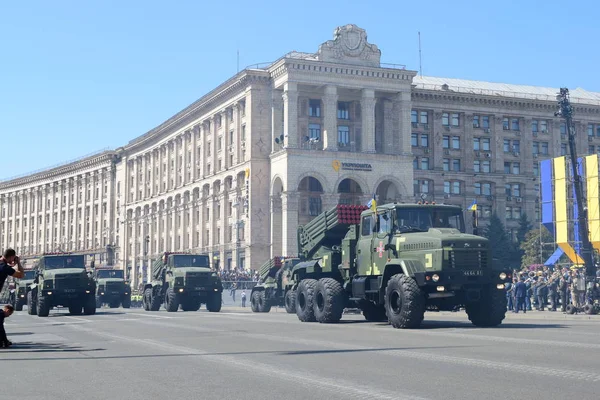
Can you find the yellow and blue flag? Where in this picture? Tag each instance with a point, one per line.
(372, 204)
(473, 206)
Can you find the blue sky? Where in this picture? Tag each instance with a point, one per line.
(79, 76)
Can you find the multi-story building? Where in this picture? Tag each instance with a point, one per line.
(235, 173)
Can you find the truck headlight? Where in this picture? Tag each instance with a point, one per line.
(502, 275)
(435, 277)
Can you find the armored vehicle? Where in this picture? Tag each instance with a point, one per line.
(183, 279)
(22, 288)
(111, 288)
(394, 262)
(275, 286)
(61, 280)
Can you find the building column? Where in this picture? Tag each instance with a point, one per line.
(404, 103)
(276, 119)
(367, 108)
(330, 100)
(289, 223)
(194, 160)
(276, 227)
(290, 114)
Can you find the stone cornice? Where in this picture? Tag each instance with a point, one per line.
(104, 159)
(213, 99)
(496, 101)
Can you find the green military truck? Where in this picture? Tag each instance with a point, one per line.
(22, 288)
(394, 263)
(61, 280)
(275, 286)
(111, 288)
(183, 279)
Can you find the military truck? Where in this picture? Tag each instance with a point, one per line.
(22, 288)
(111, 288)
(275, 286)
(61, 280)
(183, 279)
(394, 262)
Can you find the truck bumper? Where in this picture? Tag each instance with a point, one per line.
(440, 284)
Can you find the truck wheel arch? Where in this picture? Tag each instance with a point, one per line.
(397, 267)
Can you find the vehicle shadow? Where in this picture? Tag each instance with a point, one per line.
(45, 347)
(466, 325)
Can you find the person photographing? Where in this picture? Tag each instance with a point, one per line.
(5, 312)
(10, 265)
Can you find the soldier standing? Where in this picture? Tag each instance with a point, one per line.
(542, 293)
(552, 292)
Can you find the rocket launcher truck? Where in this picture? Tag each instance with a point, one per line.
(394, 263)
(275, 285)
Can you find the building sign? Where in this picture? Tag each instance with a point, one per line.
(351, 166)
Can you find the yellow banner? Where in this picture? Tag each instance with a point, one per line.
(561, 207)
(591, 169)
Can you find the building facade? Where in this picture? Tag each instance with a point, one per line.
(235, 173)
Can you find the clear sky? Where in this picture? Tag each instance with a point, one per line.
(79, 76)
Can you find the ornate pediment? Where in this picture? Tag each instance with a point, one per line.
(350, 46)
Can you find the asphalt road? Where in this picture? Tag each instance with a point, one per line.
(132, 354)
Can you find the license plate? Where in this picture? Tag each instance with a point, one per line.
(473, 273)
(114, 292)
(200, 288)
(69, 290)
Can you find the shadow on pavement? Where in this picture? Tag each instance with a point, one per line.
(466, 325)
(43, 347)
(19, 333)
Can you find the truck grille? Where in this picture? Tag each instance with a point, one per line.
(68, 282)
(197, 279)
(114, 286)
(467, 259)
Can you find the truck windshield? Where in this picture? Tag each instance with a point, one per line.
(420, 219)
(64, 262)
(110, 273)
(29, 275)
(190, 261)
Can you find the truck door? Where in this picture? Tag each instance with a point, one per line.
(363, 251)
(379, 255)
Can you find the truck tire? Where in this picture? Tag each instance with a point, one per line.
(171, 303)
(290, 301)
(264, 305)
(146, 299)
(213, 304)
(153, 301)
(404, 302)
(589, 309)
(571, 309)
(254, 301)
(328, 301)
(305, 309)
(19, 303)
(126, 302)
(43, 306)
(31, 306)
(114, 304)
(89, 304)
(374, 313)
(490, 310)
(75, 308)
(191, 304)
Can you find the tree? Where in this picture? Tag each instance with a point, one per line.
(525, 227)
(503, 249)
(533, 251)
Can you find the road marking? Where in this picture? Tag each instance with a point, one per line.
(151, 315)
(79, 319)
(347, 388)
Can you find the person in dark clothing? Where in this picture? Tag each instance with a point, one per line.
(520, 290)
(542, 293)
(10, 265)
(5, 312)
(553, 292)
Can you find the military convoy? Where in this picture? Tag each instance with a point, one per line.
(275, 286)
(111, 288)
(394, 263)
(183, 279)
(61, 280)
(22, 288)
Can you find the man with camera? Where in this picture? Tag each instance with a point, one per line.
(10, 265)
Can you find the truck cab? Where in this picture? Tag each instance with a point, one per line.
(111, 288)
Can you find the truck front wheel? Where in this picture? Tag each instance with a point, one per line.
(89, 304)
(263, 303)
(213, 304)
(126, 302)
(490, 310)
(290, 301)
(43, 306)
(31, 306)
(305, 309)
(254, 301)
(171, 303)
(404, 302)
(328, 301)
(19, 303)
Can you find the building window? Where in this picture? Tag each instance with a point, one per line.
(477, 188)
(455, 187)
(535, 149)
(425, 163)
(414, 140)
(544, 126)
(414, 117)
(446, 142)
(563, 128)
(516, 146)
(455, 119)
(475, 121)
(485, 122)
(424, 140)
(342, 112)
(507, 168)
(563, 149)
(415, 163)
(536, 169)
(447, 187)
(516, 168)
(456, 165)
(424, 118)
(485, 144)
(505, 124)
(425, 186)
(220, 143)
(506, 145)
(343, 135)
(446, 164)
(590, 130)
(230, 142)
(544, 148)
(456, 142)
(314, 108)
(515, 124)
(597, 130)
(516, 190)
(477, 166)
(476, 144)
(534, 125)
(445, 119)
(314, 131)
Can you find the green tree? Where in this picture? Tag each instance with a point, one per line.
(524, 227)
(533, 252)
(503, 248)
